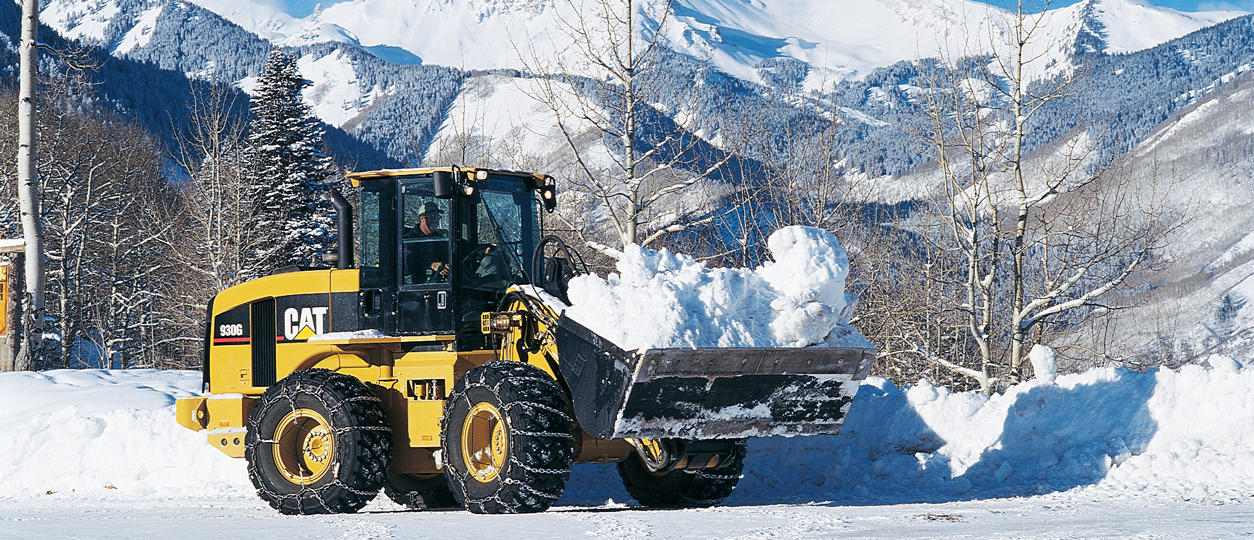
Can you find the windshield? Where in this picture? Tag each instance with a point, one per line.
(376, 252)
(505, 213)
(500, 231)
(500, 226)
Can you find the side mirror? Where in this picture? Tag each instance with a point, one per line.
(445, 184)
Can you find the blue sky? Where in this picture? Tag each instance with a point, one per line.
(1182, 5)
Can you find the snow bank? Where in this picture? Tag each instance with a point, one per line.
(107, 434)
(1177, 434)
(662, 299)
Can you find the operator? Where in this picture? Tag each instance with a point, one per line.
(431, 257)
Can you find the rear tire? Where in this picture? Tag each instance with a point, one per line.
(679, 488)
(318, 443)
(508, 439)
(426, 492)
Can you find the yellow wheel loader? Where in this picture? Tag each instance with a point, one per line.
(434, 362)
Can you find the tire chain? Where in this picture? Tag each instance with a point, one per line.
(373, 444)
(539, 482)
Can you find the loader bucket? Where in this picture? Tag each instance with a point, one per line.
(715, 393)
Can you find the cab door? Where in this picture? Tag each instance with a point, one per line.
(424, 299)
(378, 258)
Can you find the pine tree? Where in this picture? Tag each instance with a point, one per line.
(1226, 316)
(288, 168)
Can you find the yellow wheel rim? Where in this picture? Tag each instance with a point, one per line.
(484, 442)
(652, 453)
(304, 446)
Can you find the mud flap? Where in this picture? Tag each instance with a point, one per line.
(707, 393)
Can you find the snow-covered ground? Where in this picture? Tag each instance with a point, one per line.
(1051, 516)
(1109, 452)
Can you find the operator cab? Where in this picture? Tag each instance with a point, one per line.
(440, 246)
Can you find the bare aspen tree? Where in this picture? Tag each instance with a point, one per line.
(215, 236)
(606, 89)
(1021, 237)
(98, 176)
(964, 140)
(220, 202)
(129, 262)
(28, 191)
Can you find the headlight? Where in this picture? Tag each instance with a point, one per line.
(499, 322)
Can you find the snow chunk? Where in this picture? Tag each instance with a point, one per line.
(1223, 364)
(1044, 365)
(671, 300)
(809, 275)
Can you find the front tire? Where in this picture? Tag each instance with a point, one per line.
(318, 443)
(508, 439)
(679, 488)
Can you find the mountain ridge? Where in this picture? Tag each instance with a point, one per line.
(835, 40)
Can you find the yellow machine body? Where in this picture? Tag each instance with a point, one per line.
(5, 268)
(315, 325)
(414, 384)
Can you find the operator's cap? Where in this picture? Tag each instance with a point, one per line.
(430, 208)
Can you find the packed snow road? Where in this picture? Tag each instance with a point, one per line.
(1105, 453)
(1048, 516)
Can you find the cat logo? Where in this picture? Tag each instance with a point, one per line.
(304, 323)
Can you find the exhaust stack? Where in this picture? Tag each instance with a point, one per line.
(343, 229)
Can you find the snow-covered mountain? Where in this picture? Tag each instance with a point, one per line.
(834, 39)
(820, 43)
(1196, 166)
(1133, 25)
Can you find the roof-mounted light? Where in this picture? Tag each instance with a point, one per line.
(548, 193)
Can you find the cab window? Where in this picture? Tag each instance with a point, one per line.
(376, 253)
(424, 236)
